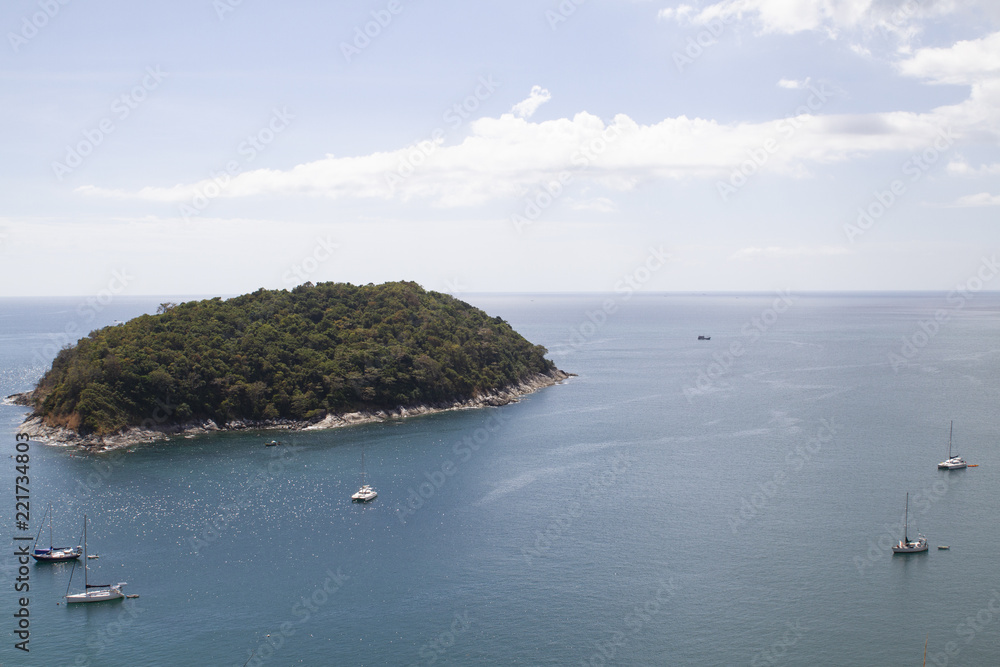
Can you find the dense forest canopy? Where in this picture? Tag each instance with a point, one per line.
(331, 347)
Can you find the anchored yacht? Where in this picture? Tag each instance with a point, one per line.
(905, 545)
(954, 462)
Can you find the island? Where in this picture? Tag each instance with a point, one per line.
(317, 356)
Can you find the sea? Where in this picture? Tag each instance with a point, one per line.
(729, 500)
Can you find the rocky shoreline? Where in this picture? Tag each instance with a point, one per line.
(37, 430)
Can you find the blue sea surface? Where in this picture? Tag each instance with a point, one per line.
(678, 502)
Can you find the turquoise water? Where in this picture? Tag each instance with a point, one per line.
(721, 502)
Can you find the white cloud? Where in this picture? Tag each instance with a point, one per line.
(901, 18)
(960, 167)
(966, 62)
(978, 200)
(676, 13)
(782, 16)
(507, 156)
(861, 50)
(504, 156)
(793, 84)
(527, 107)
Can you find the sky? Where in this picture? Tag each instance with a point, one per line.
(220, 146)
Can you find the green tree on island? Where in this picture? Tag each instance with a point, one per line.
(275, 354)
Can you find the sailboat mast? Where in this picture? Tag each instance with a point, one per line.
(906, 519)
(50, 525)
(41, 527)
(85, 553)
(950, 430)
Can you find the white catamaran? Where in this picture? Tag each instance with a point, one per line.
(101, 592)
(954, 462)
(366, 492)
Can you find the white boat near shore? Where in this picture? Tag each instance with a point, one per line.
(366, 492)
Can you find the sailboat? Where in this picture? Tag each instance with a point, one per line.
(53, 554)
(905, 546)
(366, 492)
(101, 592)
(954, 462)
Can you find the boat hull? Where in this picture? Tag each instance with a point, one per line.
(364, 494)
(108, 595)
(56, 555)
(910, 548)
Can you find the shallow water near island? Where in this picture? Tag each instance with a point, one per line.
(720, 502)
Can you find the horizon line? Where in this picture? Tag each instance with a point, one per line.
(459, 294)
